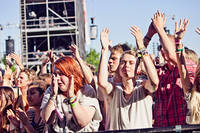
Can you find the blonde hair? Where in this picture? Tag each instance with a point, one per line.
(194, 104)
(191, 55)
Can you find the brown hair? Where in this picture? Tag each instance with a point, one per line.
(9, 96)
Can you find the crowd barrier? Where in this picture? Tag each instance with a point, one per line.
(173, 129)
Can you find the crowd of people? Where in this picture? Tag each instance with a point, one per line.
(131, 90)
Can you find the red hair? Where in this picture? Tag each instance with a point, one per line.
(69, 66)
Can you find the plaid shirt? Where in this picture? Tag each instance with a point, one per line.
(170, 108)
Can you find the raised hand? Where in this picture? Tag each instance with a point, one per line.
(16, 57)
(52, 57)
(181, 29)
(45, 61)
(158, 20)
(198, 30)
(54, 85)
(75, 51)
(105, 42)
(137, 33)
(71, 87)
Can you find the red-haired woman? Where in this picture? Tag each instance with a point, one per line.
(70, 105)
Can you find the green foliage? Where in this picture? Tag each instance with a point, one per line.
(92, 58)
(12, 67)
(131, 46)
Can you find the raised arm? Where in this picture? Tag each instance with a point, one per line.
(179, 33)
(48, 112)
(158, 23)
(82, 114)
(85, 69)
(45, 60)
(105, 86)
(150, 33)
(17, 59)
(152, 83)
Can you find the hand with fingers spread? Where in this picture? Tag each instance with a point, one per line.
(198, 30)
(105, 42)
(158, 20)
(137, 33)
(181, 29)
(75, 51)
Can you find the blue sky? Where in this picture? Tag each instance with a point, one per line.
(118, 16)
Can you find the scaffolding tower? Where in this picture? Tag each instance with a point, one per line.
(51, 25)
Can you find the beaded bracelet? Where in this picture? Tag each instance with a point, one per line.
(72, 99)
(141, 53)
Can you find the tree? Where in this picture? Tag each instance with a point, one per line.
(131, 46)
(92, 58)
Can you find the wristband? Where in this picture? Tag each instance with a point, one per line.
(73, 104)
(141, 53)
(177, 41)
(179, 50)
(71, 100)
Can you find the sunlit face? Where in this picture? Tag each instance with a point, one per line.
(63, 81)
(34, 97)
(22, 80)
(127, 66)
(114, 61)
(2, 102)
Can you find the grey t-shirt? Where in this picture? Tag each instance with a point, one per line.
(134, 113)
(86, 97)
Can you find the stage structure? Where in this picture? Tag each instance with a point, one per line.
(51, 25)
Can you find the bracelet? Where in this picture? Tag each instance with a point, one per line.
(177, 41)
(148, 38)
(74, 103)
(179, 50)
(141, 53)
(72, 100)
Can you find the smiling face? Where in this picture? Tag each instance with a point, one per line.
(127, 66)
(23, 80)
(63, 81)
